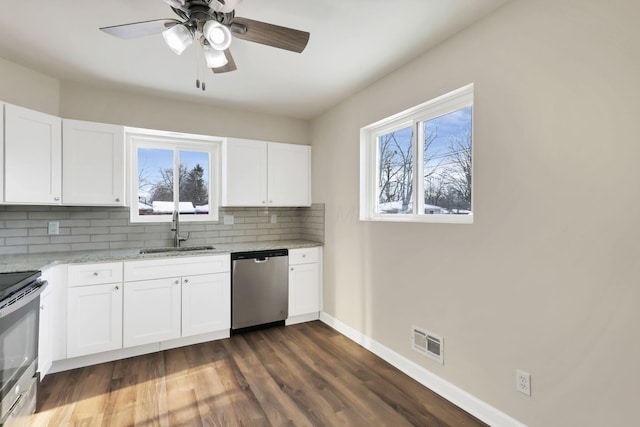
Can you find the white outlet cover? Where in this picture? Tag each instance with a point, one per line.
(54, 227)
(274, 219)
(228, 220)
(523, 382)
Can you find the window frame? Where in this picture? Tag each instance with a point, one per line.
(176, 142)
(370, 157)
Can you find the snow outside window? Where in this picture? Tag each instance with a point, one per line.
(171, 174)
(416, 166)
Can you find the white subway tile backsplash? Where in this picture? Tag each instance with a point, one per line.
(38, 249)
(23, 229)
(89, 246)
(14, 232)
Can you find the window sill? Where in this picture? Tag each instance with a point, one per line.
(433, 219)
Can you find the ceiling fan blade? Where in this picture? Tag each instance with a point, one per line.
(230, 65)
(140, 29)
(269, 34)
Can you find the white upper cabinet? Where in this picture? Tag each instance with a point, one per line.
(259, 173)
(33, 157)
(289, 175)
(93, 159)
(244, 173)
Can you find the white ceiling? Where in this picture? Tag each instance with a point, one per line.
(352, 44)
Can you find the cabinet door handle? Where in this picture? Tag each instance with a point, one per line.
(95, 274)
(177, 282)
(117, 288)
(117, 199)
(186, 280)
(291, 268)
(42, 307)
(263, 202)
(56, 199)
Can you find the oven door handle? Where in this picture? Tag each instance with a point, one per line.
(21, 302)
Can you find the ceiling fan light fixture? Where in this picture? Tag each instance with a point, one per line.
(214, 58)
(178, 38)
(224, 6)
(218, 36)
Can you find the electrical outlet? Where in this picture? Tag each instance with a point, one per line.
(274, 219)
(523, 382)
(54, 227)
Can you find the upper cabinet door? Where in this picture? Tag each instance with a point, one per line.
(33, 151)
(244, 172)
(289, 175)
(93, 161)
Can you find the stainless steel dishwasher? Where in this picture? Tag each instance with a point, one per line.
(259, 288)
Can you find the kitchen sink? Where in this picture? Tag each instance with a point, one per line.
(169, 250)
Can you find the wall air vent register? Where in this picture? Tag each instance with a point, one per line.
(428, 344)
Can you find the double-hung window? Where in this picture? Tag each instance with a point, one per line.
(417, 165)
(173, 173)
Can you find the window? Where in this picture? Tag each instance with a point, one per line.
(173, 173)
(417, 165)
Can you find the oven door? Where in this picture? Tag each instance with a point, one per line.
(18, 345)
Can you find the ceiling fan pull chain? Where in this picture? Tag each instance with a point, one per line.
(197, 62)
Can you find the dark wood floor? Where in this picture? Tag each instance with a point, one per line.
(302, 375)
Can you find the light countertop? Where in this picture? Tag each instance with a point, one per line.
(27, 262)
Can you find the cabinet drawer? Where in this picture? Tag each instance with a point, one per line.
(94, 274)
(304, 256)
(175, 267)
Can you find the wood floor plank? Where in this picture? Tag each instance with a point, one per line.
(379, 376)
(278, 407)
(291, 380)
(301, 375)
(351, 389)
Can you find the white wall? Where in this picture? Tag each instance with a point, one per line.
(28, 88)
(133, 109)
(25, 87)
(547, 278)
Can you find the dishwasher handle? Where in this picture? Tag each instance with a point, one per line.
(259, 255)
(260, 260)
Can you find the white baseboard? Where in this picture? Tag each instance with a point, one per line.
(453, 394)
(123, 353)
(302, 318)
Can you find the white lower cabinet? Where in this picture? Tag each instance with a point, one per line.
(206, 303)
(94, 319)
(94, 308)
(168, 301)
(163, 301)
(45, 333)
(152, 311)
(304, 282)
(50, 334)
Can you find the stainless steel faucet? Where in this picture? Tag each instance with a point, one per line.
(175, 227)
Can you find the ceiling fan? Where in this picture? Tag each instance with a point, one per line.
(212, 23)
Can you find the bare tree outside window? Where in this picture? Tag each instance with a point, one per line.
(447, 163)
(417, 164)
(395, 172)
(156, 179)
